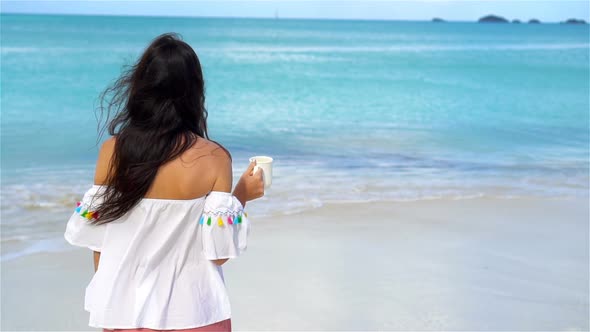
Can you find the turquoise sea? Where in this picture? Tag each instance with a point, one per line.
(351, 110)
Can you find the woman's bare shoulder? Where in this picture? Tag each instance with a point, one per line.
(210, 148)
(207, 158)
(206, 166)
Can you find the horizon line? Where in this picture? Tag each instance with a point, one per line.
(523, 21)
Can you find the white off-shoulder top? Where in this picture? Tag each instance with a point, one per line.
(155, 266)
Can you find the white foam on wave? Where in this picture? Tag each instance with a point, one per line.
(36, 203)
(53, 50)
(256, 48)
(267, 53)
(283, 57)
(9, 50)
(38, 246)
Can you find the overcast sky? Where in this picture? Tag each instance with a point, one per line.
(549, 11)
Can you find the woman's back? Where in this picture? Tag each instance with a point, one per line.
(204, 167)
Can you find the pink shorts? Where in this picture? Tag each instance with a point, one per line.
(223, 326)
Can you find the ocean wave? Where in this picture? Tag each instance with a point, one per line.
(52, 50)
(258, 57)
(229, 50)
(384, 177)
(34, 214)
(38, 246)
(285, 53)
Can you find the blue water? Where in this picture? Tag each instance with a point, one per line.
(351, 110)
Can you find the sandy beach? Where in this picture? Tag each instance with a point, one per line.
(475, 264)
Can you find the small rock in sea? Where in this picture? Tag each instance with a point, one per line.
(574, 21)
(492, 19)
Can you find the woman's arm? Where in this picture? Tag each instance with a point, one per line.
(103, 161)
(96, 260)
(250, 186)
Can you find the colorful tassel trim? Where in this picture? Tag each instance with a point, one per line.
(86, 213)
(231, 220)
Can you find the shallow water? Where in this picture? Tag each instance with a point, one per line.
(351, 110)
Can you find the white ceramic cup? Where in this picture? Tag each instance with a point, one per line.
(264, 163)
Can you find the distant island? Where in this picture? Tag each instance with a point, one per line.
(492, 19)
(574, 21)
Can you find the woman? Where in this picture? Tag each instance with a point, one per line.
(160, 216)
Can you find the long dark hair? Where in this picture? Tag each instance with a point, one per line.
(159, 112)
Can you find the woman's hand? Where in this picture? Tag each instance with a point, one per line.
(250, 186)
